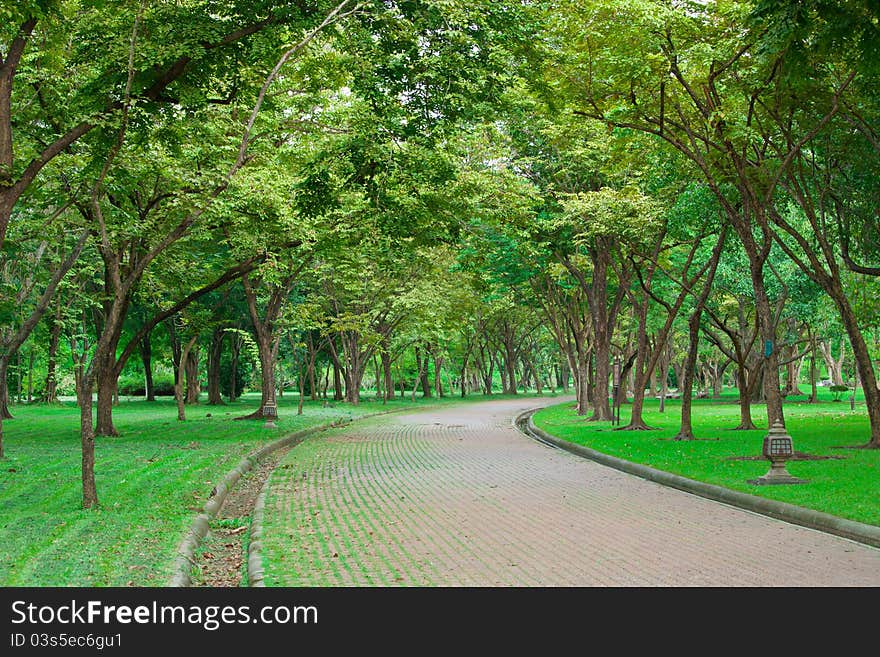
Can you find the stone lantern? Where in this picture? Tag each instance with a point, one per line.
(778, 448)
(270, 412)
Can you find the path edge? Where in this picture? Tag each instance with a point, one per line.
(198, 530)
(798, 515)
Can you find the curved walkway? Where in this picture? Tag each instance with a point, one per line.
(457, 496)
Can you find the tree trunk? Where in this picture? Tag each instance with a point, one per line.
(745, 402)
(582, 387)
(215, 352)
(664, 378)
(30, 377)
(388, 385)
(438, 383)
(862, 359)
(191, 373)
(792, 377)
(51, 394)
(106, 383)
(87, 440)
(835, 366)
(422, 369)
(178, 389)
(326, 383)
(337, 384)
(686, 382)
(377, 371)
(718, 380)
(814, 391)
(313, 354)
(235, 349)
(146, 349)
(174, 340)
(602, 349)
(510, 366)
(502, 371)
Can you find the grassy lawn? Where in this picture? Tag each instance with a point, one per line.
(844, 487)
(152, 481)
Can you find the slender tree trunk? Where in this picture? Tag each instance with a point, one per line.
(686, 382)
(18, 375)
(510, 366)
(337, 384)
(30, 377)
(313, 354)
(87, 440)
(302, 390)
(863, 362)
(174, 341)
(502, 371)
(385, 358)
(745, 402)
(146, 349)
(179, 394)
(602, 350)
(422, 368)
(191, 373)
(582, 388)
(51, 394)
(438, 370)
(235, 351)
(814, 392)
(106, 384)
(664, 378)
(215, 353)
(377, 371)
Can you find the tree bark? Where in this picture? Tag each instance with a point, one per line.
(313, 354)
(422, 368)
(685, 377)
(179, 394)
(215, 352)
(438, 370)
(50, 395)
(174, 341)
(337, 383)
(862, 359)
(235, 351)
(388, 385)
(814, 392)
(835, 366)
(146, 349)
(191, 372)
(106, 384)
(87, 440)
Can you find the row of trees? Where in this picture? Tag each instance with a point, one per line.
(362, 190)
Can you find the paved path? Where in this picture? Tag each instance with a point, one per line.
(457, 496)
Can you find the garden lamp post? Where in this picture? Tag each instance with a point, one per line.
(615, 379)
(270, 411)
(778, 448)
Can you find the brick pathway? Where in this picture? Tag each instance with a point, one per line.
(459, 497)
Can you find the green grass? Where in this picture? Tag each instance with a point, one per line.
(152, 481)
(846, 488)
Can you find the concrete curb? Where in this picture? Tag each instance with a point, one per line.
(856, 531)
(255, 546)
(199, 529)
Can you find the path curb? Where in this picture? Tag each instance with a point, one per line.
(255, 546)
(798, 515)
(199, 528)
